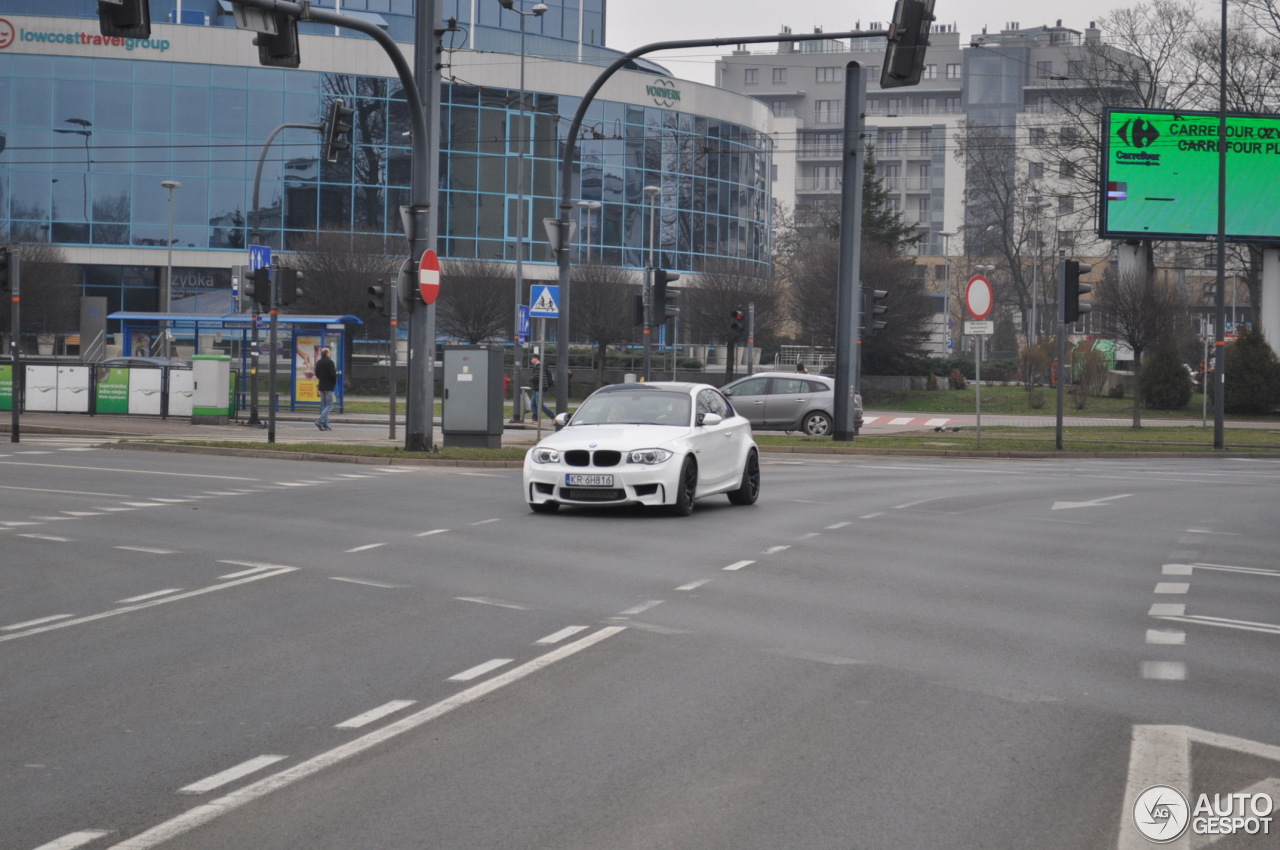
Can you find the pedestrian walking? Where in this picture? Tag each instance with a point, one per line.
(800, 368)
(327, 384)
(541, 381)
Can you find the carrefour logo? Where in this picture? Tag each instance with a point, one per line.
(1138, 133)
(9, 34)
(663, 92)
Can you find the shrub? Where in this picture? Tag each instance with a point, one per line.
(933, 381)
(956, 380)
(1080, 395)
(1253, 376)
(1116, 391)
(1035, 399)
(1166, 385)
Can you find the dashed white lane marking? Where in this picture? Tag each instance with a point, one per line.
(49, 537)
(431, 532)
(352, 475)
(82, 513)
(1167, 609)
(1176, 569)
(486, 521)
(145, 596)
(366, 547)
(230, 775)
(1168, 637)
(693, 585)
(1207, 531)
(871, 516)
(773, 550)
(17, 524)
(144, 504)
(68, 492)
(837, 525)
(74, 840)
(556, 637)
(375, 714)
(148, 550)
(291, 484)
(223, 492)
(1172, 587)
(203, 814)
(916, 502)
(113, 510)
(497, 603)
(29, 623)
(641, 608)
(254, 568)
(480, 669)
(737, 565)
(169, 501)
(1167, 671)
(366, 582)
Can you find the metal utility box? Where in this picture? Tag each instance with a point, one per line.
(472, 397)
(212, 374)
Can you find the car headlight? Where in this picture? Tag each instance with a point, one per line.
(648, 456)
(545, 455)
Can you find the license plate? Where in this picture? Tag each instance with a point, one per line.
(577, 479)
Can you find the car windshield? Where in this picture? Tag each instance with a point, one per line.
(645, 407)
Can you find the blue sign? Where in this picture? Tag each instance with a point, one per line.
(544, 301)
(259, 257)
(523, 332)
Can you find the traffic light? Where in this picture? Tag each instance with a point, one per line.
(337, 129)
(1072, 289)
(661, 277)
(908, 38)
(871, 309)
(287, 282)
(279, 50)
(637, 310)
(258, 286)
(407, 289)
(378, 298)
(125, 18)
(736, 318)
(669, 306)
(6, 284)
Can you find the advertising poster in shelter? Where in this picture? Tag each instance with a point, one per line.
(6, 387)
(113, 390)
(305, 354)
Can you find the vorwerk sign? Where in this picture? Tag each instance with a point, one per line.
(663, 92)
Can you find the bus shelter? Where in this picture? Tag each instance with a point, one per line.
(299, 340)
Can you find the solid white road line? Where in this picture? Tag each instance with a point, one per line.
(68, 492)
(29, 623)
(365, 582)
(145, 549)
(145, 596)
(214, 809)
(230, 775)
(556, 637)
(480, 669)
(497, 603)
(75, 839)
(1257, 571)
(737, 565)
(141, 605)
(1223, 622)
(375, 714)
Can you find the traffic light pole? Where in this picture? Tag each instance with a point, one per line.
(648, 323)
(849, 285)
(14, 259)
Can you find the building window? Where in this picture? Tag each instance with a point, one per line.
(1066, 238)
(827, 111)
(1069, 135)
(1037, 136)
(1066, 204)
(773, 172)
(953, 104)
(926, 142)
(829, 75)
(893, 106)
(929, 104)
(751, 76)
(779, 75)
(930, 72)
(953, 70)
(827, 176)
(1075, 68)
(1035, 170)
(873, 72)
(779, 107)
(1066, 170)
(1044, 69)
(893, 143)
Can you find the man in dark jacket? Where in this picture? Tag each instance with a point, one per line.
(326, 383)
(541, 381)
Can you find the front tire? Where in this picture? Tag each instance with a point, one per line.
(685, 489)
(816, 424)
(749, 490)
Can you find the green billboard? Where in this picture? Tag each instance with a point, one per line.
(1160, 176)
(113, 390)
(6, 387)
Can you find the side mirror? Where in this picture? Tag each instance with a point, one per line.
(707, 419)
(727, 392)
(562, 419)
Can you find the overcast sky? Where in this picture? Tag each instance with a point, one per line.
(633, 23)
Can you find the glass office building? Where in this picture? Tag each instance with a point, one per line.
(90, 129)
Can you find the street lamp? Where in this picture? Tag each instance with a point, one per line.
(1037, 208)
(88, 161)
(166, 294)
(946, 255)
(652, 192)
(538, 10)
(589, 207)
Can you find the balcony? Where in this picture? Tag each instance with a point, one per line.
(818, 185)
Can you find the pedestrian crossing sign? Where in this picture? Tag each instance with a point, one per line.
(544, 301)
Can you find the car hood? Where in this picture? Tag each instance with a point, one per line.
(617, 437)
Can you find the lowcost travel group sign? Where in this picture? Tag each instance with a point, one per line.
(1160, 176)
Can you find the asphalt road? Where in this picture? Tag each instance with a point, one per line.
(216, 652)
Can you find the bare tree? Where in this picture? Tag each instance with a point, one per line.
(475, 305)
(338, 270)
(50, 289)
(725, 286)
(603, 307)
(1144, 310)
